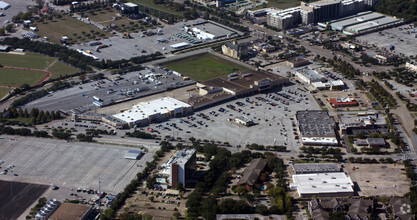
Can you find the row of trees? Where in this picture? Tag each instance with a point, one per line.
(383, 97)
(344, 67)
(22, 132)
(401, 8)
(37, 116)
(140, 134)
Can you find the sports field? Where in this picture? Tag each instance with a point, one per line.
(59, 69)
(16, 78)
(204, 66)
(17, 197)
(78, 31)
(29, 60)
(4, 91)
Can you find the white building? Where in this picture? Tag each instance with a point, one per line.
(411, 65)
(322, 184)
(154, 111)
(309, 76)
(4, 5)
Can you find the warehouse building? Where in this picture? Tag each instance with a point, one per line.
(154, 111)
(309, 76)
(180, 167)
(336, 184)
(133, 154)
(4, 5)
(363, 22)
(304, 168)
(316, 128)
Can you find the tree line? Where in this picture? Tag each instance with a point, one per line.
(37, 116)
(401, 8)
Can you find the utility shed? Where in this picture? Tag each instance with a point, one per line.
(133, 154)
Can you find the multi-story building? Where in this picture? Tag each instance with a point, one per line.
(181, 167)
(330, 9)
(284, 19)
(235, 50)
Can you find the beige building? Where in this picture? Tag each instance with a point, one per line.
(235, 50)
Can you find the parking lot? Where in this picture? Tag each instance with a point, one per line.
(132, 85)
(69, 165)
(273, 114)
(379, 179)
(16, 6)
(141, 44)
(403, 38)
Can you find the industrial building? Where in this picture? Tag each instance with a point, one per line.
(180, 167)
(336, 184)
(235, 50)
(363, 22)
(154, 111)
(133, 154)
(343, 102)
(309, 76)
(304, 168)
(68, 211)
(316, 127)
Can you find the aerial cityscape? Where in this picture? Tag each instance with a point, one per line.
(208, 109)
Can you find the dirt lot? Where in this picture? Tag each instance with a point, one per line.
(379, 179)
(17, 197)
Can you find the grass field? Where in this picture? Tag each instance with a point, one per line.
(29, 60)
(76, 30)
(161, 7)
(204, 66)
(59, 69)
(281, 4)
(11, 77)
(4, 91)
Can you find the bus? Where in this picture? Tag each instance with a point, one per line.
(97, 101)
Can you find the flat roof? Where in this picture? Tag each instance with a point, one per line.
(69, 211)
(179, 45)
(310, 74)
(356, 19)
(144, 110)
(4, 5)
(322, 183)
(315, 167)
(130, 4)
(316, 123)
(373, 24)
(133, 154)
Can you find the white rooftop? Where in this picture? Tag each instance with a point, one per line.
(144, 110)
(322, 183)
(4, 5)
(319, 140)
(337, 83)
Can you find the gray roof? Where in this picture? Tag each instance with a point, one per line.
(401, 207)
(315, 168)
(360, 208)
(133, 154)
(316, 123)
(252, 173)
(320, 214)
(376, 141)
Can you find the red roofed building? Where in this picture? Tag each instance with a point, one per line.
(343, 102)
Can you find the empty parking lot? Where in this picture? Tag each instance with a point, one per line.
(46, 161)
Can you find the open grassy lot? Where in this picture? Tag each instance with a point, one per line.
(204, 66)
(59, 69)
(282, 4)
(4, 91)
(161, 7)
(29, 60)
(102, 15)
(76, 30)
(13, 77)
